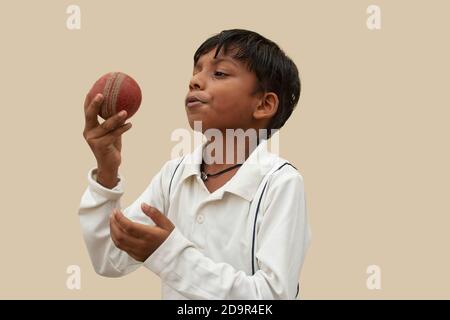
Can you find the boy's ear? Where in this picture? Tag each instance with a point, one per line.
(267, 106)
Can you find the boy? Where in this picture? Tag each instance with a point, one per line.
(208, 229)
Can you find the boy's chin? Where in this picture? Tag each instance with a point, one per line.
(198, 125)
(201, 126)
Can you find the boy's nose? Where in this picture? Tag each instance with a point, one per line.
(195, 83)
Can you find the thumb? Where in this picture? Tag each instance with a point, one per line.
(158, 218)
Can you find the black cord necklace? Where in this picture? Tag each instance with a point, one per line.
(205, 175)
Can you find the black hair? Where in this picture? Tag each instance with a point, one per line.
(275, 71)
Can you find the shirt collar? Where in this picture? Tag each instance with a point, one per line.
(246, 180)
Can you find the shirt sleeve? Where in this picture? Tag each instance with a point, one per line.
(94, 211)
(283, 239)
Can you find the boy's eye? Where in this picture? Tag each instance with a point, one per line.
(219, 74)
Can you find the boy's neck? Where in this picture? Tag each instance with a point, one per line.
(239, 152)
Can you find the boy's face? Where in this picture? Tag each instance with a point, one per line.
(225, 87)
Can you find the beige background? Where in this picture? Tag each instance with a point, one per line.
(370, 135)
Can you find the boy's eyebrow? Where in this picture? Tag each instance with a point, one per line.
(217, 60)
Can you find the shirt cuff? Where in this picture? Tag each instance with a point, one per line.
(163, 258)
(112, 194)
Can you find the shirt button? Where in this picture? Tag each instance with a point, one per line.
(200, 218)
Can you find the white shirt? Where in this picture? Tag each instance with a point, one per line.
(209, 253)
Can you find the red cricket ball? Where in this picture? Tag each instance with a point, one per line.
(120, 92)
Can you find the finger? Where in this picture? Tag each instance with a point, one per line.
(109, 125)
(113, 136)
(87, 101)
(113, 221)
(117, 235)
(158, 218)
(120, 238)
(133, 229)
(92, 110)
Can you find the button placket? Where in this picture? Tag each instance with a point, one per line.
(198, 229)
(200, 218)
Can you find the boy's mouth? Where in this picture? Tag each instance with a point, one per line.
(195, 103)
(194, 100)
